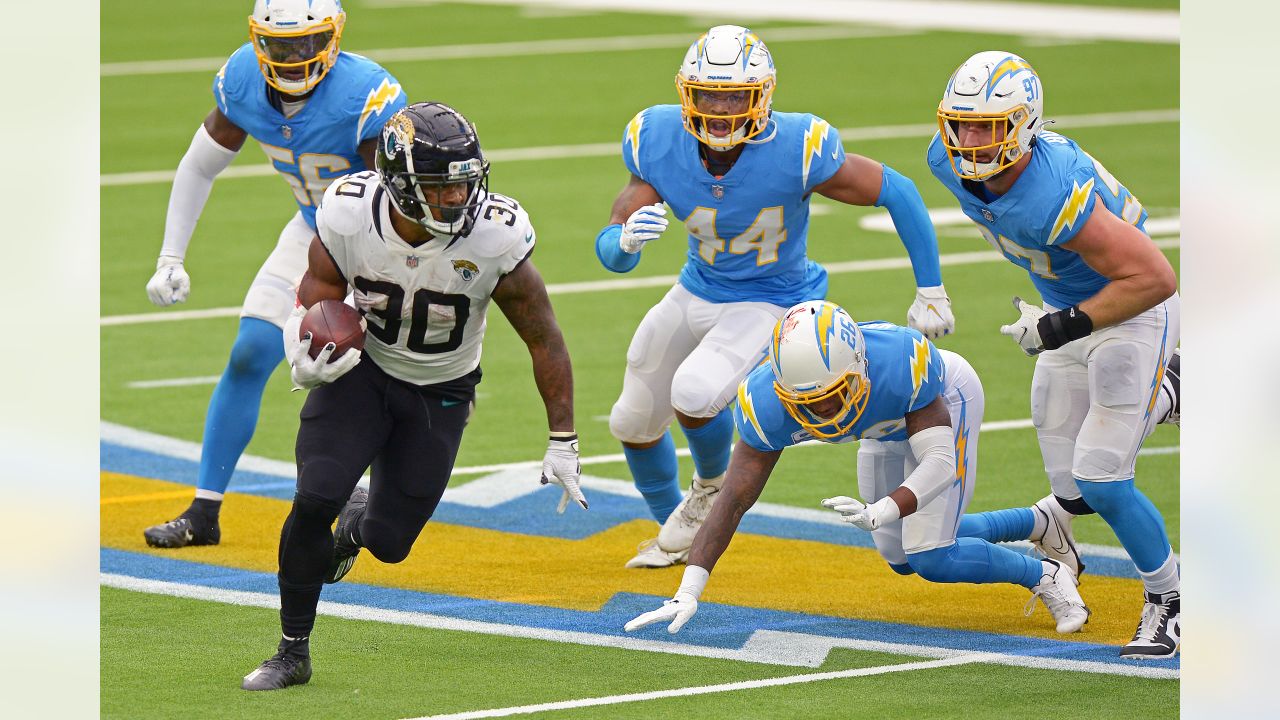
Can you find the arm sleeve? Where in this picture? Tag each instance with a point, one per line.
(611, 253)
(935, 452)
(910, 218)
(191, 185)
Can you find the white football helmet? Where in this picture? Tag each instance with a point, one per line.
(998, 89)
(727, 80)
(296, 41)
(818, 353)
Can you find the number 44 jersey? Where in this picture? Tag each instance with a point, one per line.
(425, 305)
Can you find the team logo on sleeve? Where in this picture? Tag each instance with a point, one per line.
(633, 137)
(466, 269)
(813, 138)
(1071, 209)
(919, 365)
(376, 102)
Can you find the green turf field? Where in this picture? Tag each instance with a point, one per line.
(858, 78)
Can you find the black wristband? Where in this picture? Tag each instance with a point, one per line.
(1058, 329)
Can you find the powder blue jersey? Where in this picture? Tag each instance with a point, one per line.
(1047, 205)
(906, 373)
(748, 230)
(319, 143)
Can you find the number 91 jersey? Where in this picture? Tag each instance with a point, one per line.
(425, 305)
(748, 230)
(320, 142)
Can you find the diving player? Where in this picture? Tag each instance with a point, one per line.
(317, 114)
(425, 247)
(916, 411)
(1106, 333)
(739, 175)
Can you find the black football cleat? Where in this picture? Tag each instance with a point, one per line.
(185, 530)
(291, 665)
(345, 548)
(1159, 631)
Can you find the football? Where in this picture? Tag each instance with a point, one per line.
(333, 321)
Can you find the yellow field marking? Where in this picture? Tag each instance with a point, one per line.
(759, 571)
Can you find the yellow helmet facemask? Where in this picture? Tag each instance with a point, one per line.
(1003, 129)
(852, 388)
(743, 106)
(307, 52)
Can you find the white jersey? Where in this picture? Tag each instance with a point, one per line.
(426, 305)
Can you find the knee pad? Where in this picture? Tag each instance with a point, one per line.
(634, 425)
(1114, 375)
(311, 509)
(258, 348)
(932, 565)
(693, 395)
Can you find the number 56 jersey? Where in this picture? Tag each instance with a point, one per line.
(425, 305)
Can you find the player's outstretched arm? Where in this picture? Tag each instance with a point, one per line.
(214, 146)
(638, 216)
(1141, 277)
(522, 297)
(748, 472)
(865, 182)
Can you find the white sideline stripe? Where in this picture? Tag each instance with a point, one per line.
(614, 285)
(172, 382)
(522, 48)
(764, 646)
(1064, 21)
(505, 482)
(562, 152)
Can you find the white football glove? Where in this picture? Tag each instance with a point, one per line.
(644, 225)
(1026, 331)
(308, 373)
(170, 284)
(931, 313)
(293, 331)
(560, 466)
(679, 610)
(868, 517)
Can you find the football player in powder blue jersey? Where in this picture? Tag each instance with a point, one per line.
(1104, 339)
(916, 411)
(317, 113)
(739, 175)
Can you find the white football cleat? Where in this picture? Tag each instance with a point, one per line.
(678, 531)
(651, 556)
(1057, 590)
(1057, 542)
(1159, 631)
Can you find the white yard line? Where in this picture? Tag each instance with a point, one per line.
(524, 48)
(1036, 19)
(564, 152)
(764, 646)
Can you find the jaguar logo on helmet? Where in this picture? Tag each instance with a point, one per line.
(398, 133)
(466, 269)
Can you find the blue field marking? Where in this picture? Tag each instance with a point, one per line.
(717, 625)
(526, 515)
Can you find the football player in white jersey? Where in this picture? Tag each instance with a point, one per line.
(740, 175)
(425, 246)
(1109, 324)
(317, 113)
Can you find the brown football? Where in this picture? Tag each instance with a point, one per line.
(333, 321)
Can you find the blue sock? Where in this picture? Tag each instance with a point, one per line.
(1135, 521)
(999, 525)
(233, 409)
(976, 561)
(710, 445)
(654, 470)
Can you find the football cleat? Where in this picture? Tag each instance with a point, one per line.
(650, 555)
(1171, 385)
(1057, 590)
(291, 665)
(1159, 631)
(682, 525)
(185, 530)
(345, 548)
(1057, 542)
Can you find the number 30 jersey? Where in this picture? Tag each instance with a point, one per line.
(320, 141)
(748, 230)
(425, 305)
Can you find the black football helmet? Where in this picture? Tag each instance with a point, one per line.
(425, 148)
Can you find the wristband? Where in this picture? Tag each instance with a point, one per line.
(1059, 328)
(694, 581)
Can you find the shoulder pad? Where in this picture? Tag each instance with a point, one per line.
(502, 228)
(345, 207)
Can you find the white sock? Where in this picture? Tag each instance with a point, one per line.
(202, 494)
(1164, 579)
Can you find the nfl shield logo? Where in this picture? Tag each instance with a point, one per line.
(286, 131)
(717, 191)
(987, 214)
(411, 261)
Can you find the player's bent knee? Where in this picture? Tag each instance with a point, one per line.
(312, 509)
(932, 565)
(632, 426)
(1100, 463)
(386, 542)
(694, 397)
(1106, 497)
(257, 350)
(902, 569)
